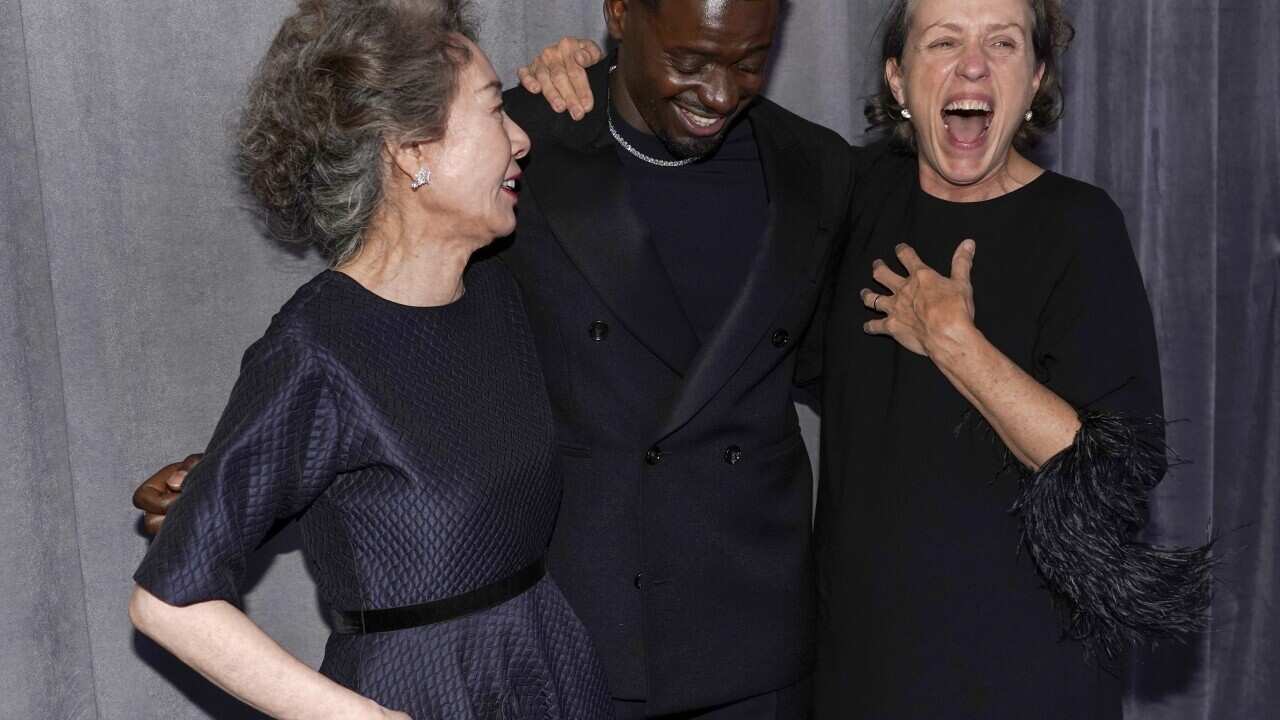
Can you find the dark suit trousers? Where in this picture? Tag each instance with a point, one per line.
(789, 703)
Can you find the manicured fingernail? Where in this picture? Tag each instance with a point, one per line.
(899, 247)
(876, 263)
(866, 328)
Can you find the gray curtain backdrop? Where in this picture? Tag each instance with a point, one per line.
(133, 278)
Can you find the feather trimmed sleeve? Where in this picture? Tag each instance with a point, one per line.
(1082, 510)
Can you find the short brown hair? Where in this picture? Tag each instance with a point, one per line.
(341, 78)
(1051, 33)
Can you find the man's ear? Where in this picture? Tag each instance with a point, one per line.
(615, 17)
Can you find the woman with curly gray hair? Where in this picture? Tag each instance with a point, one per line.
(394, 406)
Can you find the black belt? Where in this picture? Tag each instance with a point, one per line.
(359, 622)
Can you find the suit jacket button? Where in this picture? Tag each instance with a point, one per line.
(780, 338)
(653, 455)
(598, 330)
(733, 454)
(638, 581)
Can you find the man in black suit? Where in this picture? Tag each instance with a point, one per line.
(669, 299)
(671, 248)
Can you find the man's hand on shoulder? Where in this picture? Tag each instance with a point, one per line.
(154, 496)
(559, 75)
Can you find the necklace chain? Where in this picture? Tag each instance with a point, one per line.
(613, 130)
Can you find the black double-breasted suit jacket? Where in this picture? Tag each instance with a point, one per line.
(683, 535)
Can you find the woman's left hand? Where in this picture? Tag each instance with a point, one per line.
(926, 312)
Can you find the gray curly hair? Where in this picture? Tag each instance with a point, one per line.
(341, 79)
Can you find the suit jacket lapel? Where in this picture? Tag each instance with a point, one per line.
(579, 187)
(784, 259)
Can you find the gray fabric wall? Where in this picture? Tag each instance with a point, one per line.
(134, 278)
(1172, 107)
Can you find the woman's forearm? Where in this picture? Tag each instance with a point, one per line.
(1033, 422)
(225, 646)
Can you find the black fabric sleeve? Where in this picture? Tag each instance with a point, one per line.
(274, 451)
(1097, 345)
(808, 374)
(868, 175)
(1081, 510)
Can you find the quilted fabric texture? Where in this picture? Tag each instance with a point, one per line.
(416, 446)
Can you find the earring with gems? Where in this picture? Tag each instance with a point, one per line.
(422, 177)
(1028, 116)
(906, 114)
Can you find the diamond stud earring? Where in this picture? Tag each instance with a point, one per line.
(422, 177)
(1028, 116)
(906, 114)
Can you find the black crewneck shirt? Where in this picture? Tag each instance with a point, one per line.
(705, 219)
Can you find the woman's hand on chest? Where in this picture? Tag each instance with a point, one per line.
(926, 312)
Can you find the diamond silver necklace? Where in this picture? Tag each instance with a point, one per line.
(613, 130)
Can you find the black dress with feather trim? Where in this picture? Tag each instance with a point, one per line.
(952, 584)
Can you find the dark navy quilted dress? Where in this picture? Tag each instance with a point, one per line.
(417, 448)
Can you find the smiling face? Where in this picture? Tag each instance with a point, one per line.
(968, 74)
(689, 67)
(473, 188)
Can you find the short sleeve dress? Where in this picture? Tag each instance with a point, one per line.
(416, 448)
(930, 604)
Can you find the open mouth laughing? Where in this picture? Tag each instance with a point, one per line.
(967, 120)
(511, 186)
